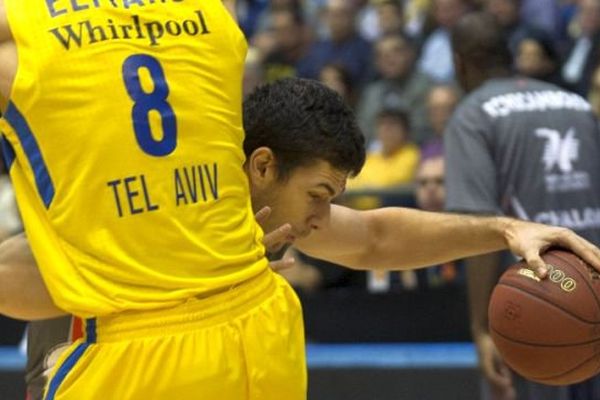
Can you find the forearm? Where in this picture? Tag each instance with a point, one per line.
(404, 238)
(23, 294)
(482, 275)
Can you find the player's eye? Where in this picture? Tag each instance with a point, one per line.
(316, 196)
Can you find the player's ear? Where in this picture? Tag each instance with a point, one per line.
(262, 166)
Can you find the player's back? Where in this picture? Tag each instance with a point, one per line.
(124, 135)
(545, 146)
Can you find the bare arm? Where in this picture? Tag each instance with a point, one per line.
(482, 275)
(23, 294)
(402, 238)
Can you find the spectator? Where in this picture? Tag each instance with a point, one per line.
(254, 15)
(585, 48)
(441, 102)
(543, 15)
(249, 13)
(390, 17)
(395, 163)
(507, 13)
(254, 73)
(401, 86)
(291, 44)
(337, 77)
(536, 58)
(430, 190)
(380, 18)
(343, 46)
(436, 57)
(430, 194)
(417, 13)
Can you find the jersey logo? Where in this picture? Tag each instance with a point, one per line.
(560, 152)
(559, 157)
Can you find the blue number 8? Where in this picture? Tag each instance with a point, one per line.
(146, 102)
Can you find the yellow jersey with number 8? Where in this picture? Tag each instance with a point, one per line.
(124, 136)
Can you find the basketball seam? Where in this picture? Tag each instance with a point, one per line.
(554, 305)
(553, 254)
(552, 377)
(542, 345)
(547, 300)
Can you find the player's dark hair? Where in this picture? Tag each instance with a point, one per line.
(479, 40)
(303, 121)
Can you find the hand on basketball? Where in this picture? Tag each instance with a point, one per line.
(275, 241)
(496, 373)
(528, 240)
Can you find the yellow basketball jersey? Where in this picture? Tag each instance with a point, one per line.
(125, 127)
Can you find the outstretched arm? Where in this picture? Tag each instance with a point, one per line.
(402, 238)
(23, 294)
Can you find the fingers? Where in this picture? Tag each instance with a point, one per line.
(282, 264)
(535, 263)
(494, 370)
(273, 241)
(262, 215)
(584, 249)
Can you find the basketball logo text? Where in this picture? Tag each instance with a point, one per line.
(555, 275)
(529, 274)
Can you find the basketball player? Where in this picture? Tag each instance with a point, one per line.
(521, 148)
(135, 201)
(296, 130)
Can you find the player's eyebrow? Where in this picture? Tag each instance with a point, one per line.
(328, 187)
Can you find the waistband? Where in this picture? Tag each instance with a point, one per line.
(193, 314)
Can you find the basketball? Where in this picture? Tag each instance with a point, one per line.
(548, 330)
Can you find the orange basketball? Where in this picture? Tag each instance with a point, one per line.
(549, 330)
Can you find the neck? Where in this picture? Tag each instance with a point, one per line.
(479, 77)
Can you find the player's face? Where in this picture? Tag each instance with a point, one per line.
(303, 200)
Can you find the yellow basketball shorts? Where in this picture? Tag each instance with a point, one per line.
(243, 344)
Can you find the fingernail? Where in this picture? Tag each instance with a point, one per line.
(542, 272)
